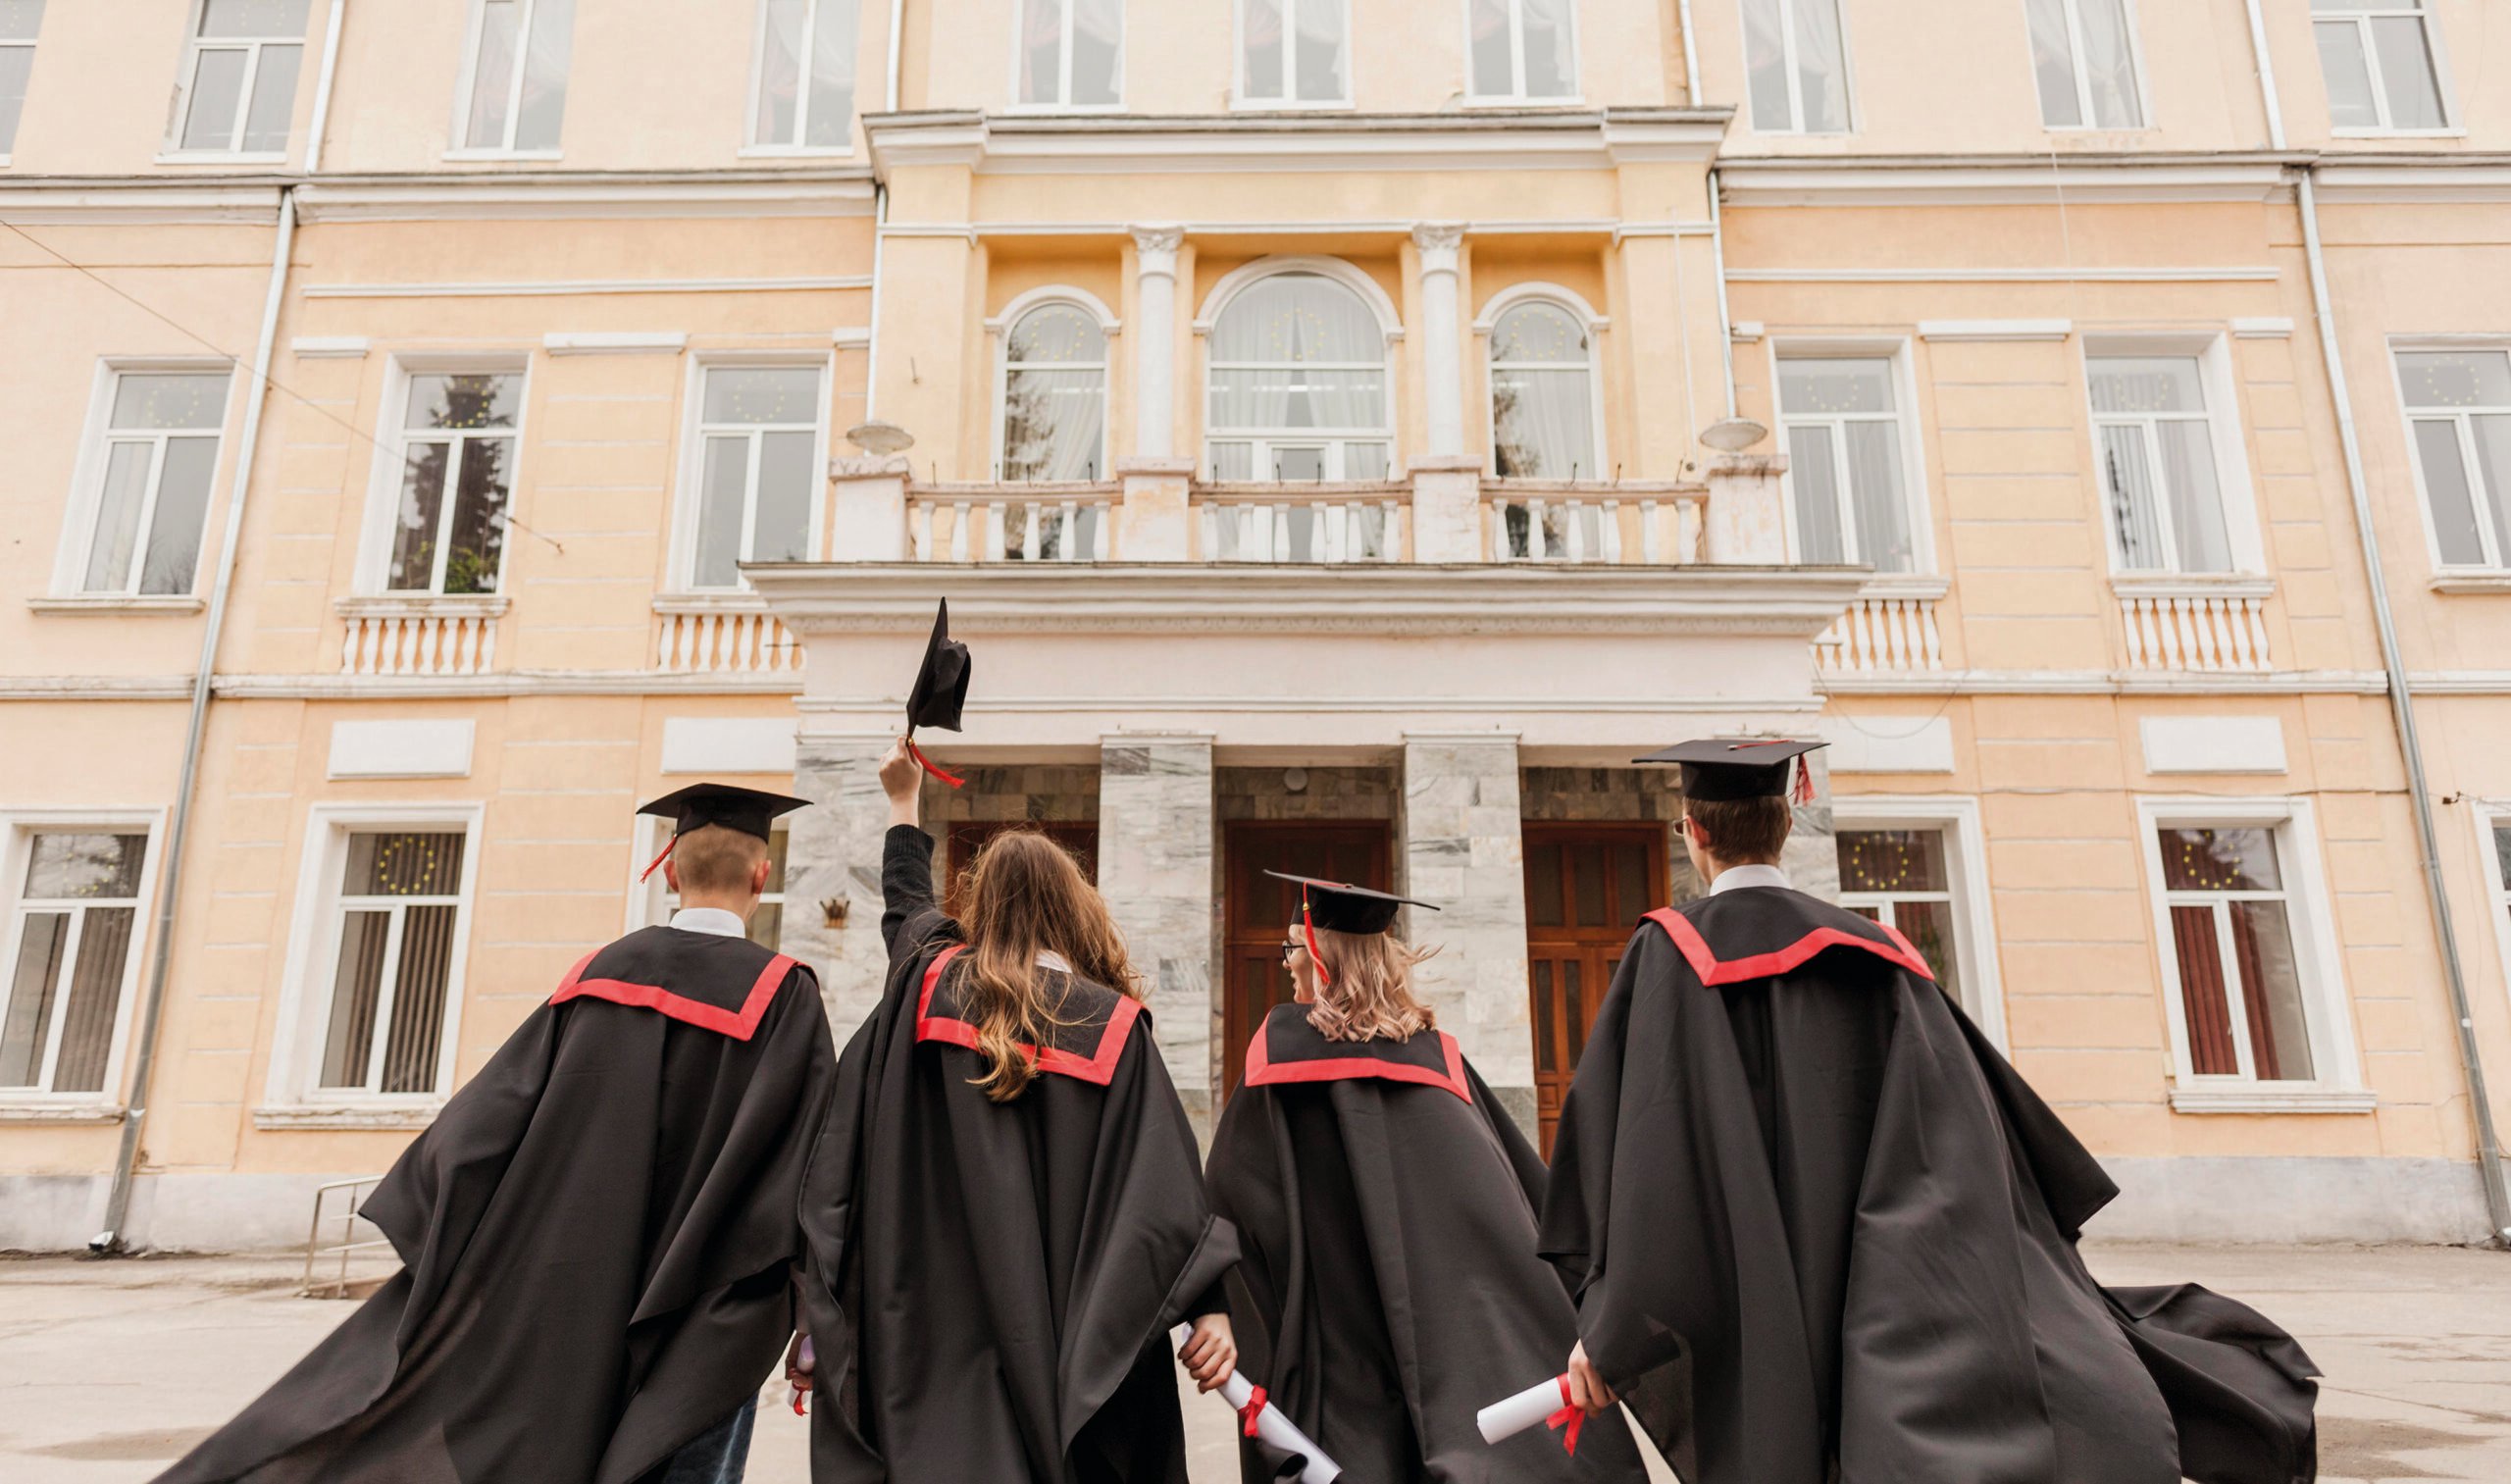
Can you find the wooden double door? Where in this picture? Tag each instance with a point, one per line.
(1256, 910)
(1587, 886)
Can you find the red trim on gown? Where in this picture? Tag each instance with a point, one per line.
(1099, 1067)
(1264, 1071)
(738, 1024)
(1713, 970)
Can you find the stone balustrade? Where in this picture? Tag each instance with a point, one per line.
(420, 636)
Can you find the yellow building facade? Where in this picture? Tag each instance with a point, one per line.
(1347, 433)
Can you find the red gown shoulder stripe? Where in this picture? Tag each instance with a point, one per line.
(738, 1024)
(1099, 1067)
(1714, 971)
(1264, 1071)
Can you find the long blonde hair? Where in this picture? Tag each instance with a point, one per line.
(1365, 993)
(1024, 895)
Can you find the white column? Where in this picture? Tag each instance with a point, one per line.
(1442, 349)
(1155, 337)
(833, 873)
(1155, 870)
(1463, 851)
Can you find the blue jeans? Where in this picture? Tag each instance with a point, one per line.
(716, 1455)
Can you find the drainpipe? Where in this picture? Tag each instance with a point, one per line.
(897, 23)
(1717, 229)
(2488, 1145)
(323, 87)
(110, 1240)
(872, 350)
(1691, 59)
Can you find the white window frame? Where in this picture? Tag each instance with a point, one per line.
(2316, 959)
(17, 829)
(1966, 869)
(2227, 436)
(2453, 124)
(1915, 493)
(1517, 95)
(685, 509)
(999, 328)
(28, 45)
(87, 487)
(1568, 301)
(1795, 90)
(314, 950)
(2409, 416)
(753, 144)
(1390, 326)
(1063, 103)
(649, 900)
(1290, 100)
(392, 457)
(2081, 72)
(193, 45)
(459, 147)
(2491, 815)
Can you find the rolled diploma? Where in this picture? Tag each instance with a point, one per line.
(1530, 1407)
(1271, 1426)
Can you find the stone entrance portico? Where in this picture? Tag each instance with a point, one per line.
(1429, 698)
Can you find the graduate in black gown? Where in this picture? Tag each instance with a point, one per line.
(1006, 1210)
(1822, 1230)
(1386, 1204)
(597, 1232)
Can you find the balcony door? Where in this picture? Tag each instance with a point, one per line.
(1586, 887)
(1257, 909)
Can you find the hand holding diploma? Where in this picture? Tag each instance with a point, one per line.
(1266, 1421)
(1564, 1402)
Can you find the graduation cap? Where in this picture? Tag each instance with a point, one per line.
(1338, 907)
(753, 811)
(1740, 767)
(941, 691)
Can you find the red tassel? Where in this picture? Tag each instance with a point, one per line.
(657, 864)
(1567, 1420)
(1307, 926)
(1804, 782)
(926, 763)
(1254, 1408)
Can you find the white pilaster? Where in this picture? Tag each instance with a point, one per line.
(1155, 870)
(1465, 852)
(1442, 345)
(1154, 339)
(832, 874)
(867, 510)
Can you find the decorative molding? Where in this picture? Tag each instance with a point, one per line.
(328, 347)
(2270, 1097)
(548, 196)
(1995, 330)
(851, 337)
(1868, 743)
(615, 342)
(2471, 582)
(1745, 332)
(728, 744)
(2185, 683)
(140, 201)
(347, 1115)
(2267, 327)
(423, 606)
(2060, 273)
(120, 605)
(38, 1111)
(2007, 179)
(2213, 744)
(2192, 585)
(402, 748)
(1438, 242)
(2410, 179)
(500, 684)
(42, 688)
(556, 287)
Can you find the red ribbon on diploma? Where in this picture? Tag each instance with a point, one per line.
(1254, 1408)
(1569, 1419)
(798, 1403)
(926, 763)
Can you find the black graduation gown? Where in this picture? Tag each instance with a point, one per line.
(1388, 1286)
(1815, 1219)
(596, 1233)
(991, 1286)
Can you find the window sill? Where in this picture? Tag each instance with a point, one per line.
(1061, 110)
(2192, 585)
(1289, 106)
(422, 605)
(34, 1111)
(1918, 586)
(477, 156)
(1470, 102)
(2471, 582)
(113, 603)
(349, 1115)
(220, 157)
(2269, 1097)
(711, 601)
(789, 152)
(2398, 134)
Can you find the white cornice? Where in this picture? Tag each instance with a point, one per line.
(2056, 273)
(1994, 330)
(1223, 143)
(1447, 601)
(546, 287)
(40, 203)
(2112, 683)
(1967, 180)
(505, 197)
(2368, 182)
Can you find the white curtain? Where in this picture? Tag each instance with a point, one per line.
(1054, 396)
(1875, 495)
(1042, 51)
(2053, 62)
(545, 74)
(1765, 63)
(1320, 33)
(780, 71)
(2109, 63)
(1551, 50)
(2130, 479)
(2406, 72)
(1821, 67)
(2196, 501)
(831, 118)
(492, 73)
(1098, 46)
(1264, 349)
(1815, 474)
(1542, 407)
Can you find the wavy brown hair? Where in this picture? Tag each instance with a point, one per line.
(1025, 894)
(1368, 991)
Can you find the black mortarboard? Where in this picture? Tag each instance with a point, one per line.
(1340, 907)
(1740, 767)
(941, 689)
(753, 811)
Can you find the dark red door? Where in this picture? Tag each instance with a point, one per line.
(1586, 887)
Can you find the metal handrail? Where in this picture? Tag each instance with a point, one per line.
(338, 1287)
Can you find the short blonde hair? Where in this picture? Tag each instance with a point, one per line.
(712, 858)
(1365, 993)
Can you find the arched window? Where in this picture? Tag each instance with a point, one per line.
(1543, 395)
(1054, 396)
(1297, 384)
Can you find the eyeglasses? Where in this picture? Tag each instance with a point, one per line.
(1289, 949)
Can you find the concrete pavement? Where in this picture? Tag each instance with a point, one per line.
(108, 1371)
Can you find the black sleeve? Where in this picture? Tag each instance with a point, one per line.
(909, 917)
(1212, 1301)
